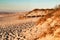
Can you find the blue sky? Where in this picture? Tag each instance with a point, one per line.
(27, 4)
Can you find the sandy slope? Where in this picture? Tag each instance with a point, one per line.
(46, 28)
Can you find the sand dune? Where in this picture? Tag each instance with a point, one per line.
(32, 25)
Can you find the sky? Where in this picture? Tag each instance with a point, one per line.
(27, 4)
